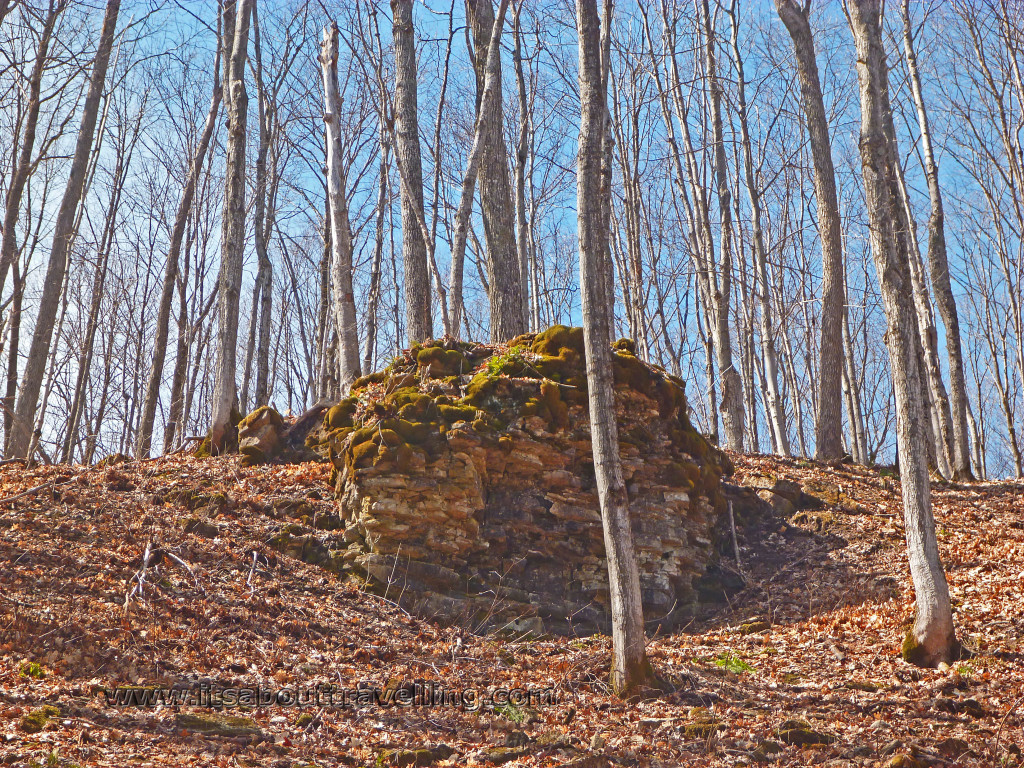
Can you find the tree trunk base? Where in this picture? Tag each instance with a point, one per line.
(930, 652)
(639, 678)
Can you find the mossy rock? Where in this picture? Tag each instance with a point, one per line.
(440, 362)
(204, 528)
(415, 757)
(362, 455)
(373, 378)
(682, 474)
(386, 437)
(502, 755)
(415, 432)
(454, 413)
(218, 725)
(703, 729)
(558, 337)
(630, 371)
(37, 719)
(263, 413)
(340, 416)
(801, 733)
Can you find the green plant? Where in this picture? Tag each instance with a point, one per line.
(733, 664)
(514, 358)
(32, 669)
(513, 712)
(966, 671)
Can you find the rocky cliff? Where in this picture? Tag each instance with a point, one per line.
(466, 491)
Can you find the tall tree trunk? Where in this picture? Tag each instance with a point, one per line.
(23, 165)
(776, 409)
(63, 234)
(460, 227)
(939, 268)
(373, 301)
(341, 236)
(932, 639)
(229, 282)
(418, 317)
(828, 431)
(522, 155)
(13, 342)
(262, 224)
(630, 667)
(732, 384)
(504, 274)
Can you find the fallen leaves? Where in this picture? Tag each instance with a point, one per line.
(800, 667)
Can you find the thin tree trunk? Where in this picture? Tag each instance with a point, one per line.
(64, 232)
(938, 401)
(14, 340)
(23, 166)
(522, 155)
(341, 236)
(829, 417)
(263, 224)
(932, 639)
(229, 282)
(630, 667)
(776, 410)
(732, 384)
(373, 300)
(460, 227)
(93, 318)
(504, 274)
(939, 268)
(418, 317)
(144, 438)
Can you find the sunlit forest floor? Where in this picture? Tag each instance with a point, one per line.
(800, 666)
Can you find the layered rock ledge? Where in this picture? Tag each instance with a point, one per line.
(465, 485)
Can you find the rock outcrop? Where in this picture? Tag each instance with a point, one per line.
(466, 490)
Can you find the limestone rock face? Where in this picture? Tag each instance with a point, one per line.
(465, 481)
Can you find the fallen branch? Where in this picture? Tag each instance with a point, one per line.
(30, 491)
(140, 577)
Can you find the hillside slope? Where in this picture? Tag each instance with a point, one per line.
(813, 636)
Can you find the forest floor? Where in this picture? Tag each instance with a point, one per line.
(813, 637)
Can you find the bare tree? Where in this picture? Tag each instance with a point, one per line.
(731, 382)
(776, 411)
(23, 166)
(418, 316)
(932, 638)
(232, 236)
(504, 275)
(630, 667)
(341, 236)
(828, 435)
(63, 233)
(144, 437)
(939, 266)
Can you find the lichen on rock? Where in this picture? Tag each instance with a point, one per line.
(465, 480)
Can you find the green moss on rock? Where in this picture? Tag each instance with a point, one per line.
(37, 719)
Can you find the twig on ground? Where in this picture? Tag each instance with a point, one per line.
(140, 577)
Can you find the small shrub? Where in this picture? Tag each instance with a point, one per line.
(513, 712)
(733, 664)
(32, 669)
